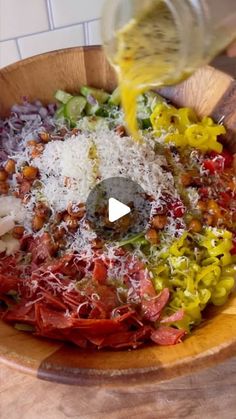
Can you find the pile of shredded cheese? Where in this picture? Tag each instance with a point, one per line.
(70, 169)
(67, 169)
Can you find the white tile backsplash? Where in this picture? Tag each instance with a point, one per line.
(22, 17)
(94, 33)
(44, 25)
(8, 53)
(66, 12)
(51, 40)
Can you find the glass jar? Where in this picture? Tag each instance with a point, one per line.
(204, 28)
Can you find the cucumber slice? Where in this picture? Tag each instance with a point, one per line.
(75, 107)
(92, 123)
(91, 109)
(62, 96)
(100, 95)
(115, 98)
(153, 99)
(145, 123)
(103, 111)
(60, 113)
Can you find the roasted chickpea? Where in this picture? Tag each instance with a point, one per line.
(37, 223)
(71, 222)
(62, 132)
(42, 210)
(186, 179)
(60, 244)
(120, 130)
(209, 219)
(195, 226)
(18, 232)
(191, 177)
(59, 216)
(152, 236)
(202, 205)
(75, 131)
(58, 233)
(97, 243)
(31, 143)
(212, 206)
(3, 175)
(49, 244)
(37, 150)
(76, 211)
(4, 188)
(159, 222)
(10, 166)
(30, 172)
(44, 137)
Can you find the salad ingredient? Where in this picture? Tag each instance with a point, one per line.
(74, 108)
(58, 278)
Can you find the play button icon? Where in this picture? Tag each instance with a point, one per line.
(117, 208)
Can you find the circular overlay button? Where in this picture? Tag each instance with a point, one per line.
(117, 208)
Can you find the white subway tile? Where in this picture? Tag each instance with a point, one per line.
(67, 12)
(94, 32)
(8, 53)
(22, 17)
(52, 40)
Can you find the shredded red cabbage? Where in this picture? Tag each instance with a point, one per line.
(25, 120)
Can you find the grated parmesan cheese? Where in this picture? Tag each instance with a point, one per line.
(67, 175)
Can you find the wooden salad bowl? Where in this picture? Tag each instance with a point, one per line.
(209, 92)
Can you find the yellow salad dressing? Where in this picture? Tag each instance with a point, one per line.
(148, 50)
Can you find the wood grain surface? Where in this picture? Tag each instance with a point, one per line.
(210, 394)
(210, 92)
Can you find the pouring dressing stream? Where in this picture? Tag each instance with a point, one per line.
(162, 42)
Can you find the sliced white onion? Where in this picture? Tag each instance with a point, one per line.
(10, 205)
(12, 245)
(3, 246)
(6, 224)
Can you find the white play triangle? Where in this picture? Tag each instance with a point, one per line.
(117, 210)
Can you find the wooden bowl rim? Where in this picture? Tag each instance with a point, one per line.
(44, 55)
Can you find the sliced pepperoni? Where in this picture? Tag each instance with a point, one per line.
(166, 335)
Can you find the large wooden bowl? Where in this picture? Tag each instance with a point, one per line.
(209, 92)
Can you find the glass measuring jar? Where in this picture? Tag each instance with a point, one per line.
(202, 29)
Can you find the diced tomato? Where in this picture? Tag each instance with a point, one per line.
(177, 209)
(218, 162)
(228, 159)
(225, 199)
(166, 335)
(213, 154)
(210, 166)
(203, 192)
(100, 271)
(233, 250)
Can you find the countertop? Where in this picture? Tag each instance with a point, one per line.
(208, 394)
